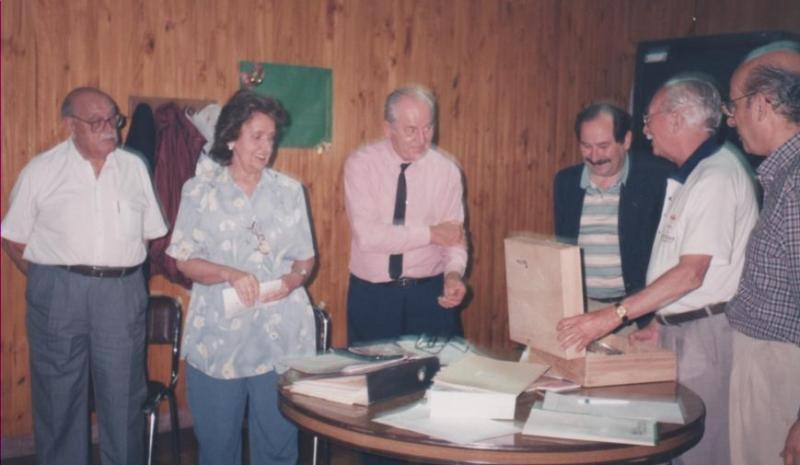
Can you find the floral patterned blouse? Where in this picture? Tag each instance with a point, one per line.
(261, 234)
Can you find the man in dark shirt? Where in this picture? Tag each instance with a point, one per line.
(610, 204)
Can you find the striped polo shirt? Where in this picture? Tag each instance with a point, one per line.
(599, 237)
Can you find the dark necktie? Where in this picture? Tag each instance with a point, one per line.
(396, 260)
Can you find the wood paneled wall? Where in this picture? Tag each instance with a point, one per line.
(510, 76)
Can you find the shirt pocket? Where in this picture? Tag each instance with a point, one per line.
(130, 219)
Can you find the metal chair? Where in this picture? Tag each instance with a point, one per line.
(163, 328)
(322, 320)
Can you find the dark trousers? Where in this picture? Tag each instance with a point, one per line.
(379, 311)
(75, 322)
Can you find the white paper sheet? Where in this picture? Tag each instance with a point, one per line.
(417, 418)
(233, 306)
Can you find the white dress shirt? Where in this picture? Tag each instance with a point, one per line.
(65, 215)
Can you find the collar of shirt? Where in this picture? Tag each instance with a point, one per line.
(779, 160)
(85, 165)
(706, 149)
(586, 180)
(397, 160)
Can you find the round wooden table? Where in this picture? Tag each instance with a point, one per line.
(352, 426)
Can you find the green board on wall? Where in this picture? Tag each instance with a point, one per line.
(305, 92)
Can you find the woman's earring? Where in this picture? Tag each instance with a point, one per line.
(230, 146)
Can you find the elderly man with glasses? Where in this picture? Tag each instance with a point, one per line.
(765, 313)
(79, 218)
(698, 254)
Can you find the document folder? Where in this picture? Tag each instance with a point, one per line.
(396, 380)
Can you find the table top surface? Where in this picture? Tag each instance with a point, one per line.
(352, 426)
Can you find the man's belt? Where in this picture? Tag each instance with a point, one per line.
(408, 282)
(99, 271)
(691, 315)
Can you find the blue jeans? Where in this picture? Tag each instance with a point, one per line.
(218, 407)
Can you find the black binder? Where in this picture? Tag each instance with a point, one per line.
(401, 379)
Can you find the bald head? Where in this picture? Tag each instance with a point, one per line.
(80, 93)
(765, 91)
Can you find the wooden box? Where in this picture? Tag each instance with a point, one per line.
(545, 284)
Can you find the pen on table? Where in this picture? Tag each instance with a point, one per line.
(591, 401)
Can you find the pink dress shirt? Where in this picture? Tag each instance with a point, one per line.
(435, 195)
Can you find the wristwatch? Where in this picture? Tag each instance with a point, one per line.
(621, 312)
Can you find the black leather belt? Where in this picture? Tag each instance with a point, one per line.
(608, 300)
(691, 315)
(99, 271)
(407, 282)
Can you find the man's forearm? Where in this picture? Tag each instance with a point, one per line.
(15, 250)
(678, 281)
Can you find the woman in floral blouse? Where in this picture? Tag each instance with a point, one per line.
(240, 226)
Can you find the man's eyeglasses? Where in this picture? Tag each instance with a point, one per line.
(434, 344)
(96, 125)
(729, 106)
(647, 117)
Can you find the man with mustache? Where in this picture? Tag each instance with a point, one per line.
(77, 225)
(610, 204)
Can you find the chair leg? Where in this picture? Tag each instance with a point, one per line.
(320, 452)
(176, 431)
(151, 433)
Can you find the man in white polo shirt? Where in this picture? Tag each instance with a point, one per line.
(698, 255)
(77, 225)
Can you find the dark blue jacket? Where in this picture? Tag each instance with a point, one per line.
(641, 199)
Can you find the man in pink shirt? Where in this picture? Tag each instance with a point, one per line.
(408, 253)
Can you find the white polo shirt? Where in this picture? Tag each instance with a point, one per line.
(711, 213)
(67, 216)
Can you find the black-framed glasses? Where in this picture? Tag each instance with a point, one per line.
(433, 344)
(729, 106)
(116, 121)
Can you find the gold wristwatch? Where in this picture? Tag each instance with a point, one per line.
(622, 312)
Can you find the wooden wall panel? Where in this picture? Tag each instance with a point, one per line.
(510, 76)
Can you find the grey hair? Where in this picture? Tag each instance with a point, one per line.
(67, 103)
(417, 92)
(780, 86)
(780, 45)
(697, 97)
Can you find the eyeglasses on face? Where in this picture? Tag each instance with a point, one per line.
(648, 117)
(96, 125)
(729, 106)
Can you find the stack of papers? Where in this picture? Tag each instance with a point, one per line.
(342, 389)
(667, 411)
(341, 362)
(604, 419)
(480, 387)
(373, 382)
(554, 424)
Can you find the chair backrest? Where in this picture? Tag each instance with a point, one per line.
(322, 320)
(164, 316)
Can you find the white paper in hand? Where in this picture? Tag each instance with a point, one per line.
(234, 307)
